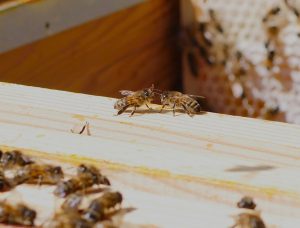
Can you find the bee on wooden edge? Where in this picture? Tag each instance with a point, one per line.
(134, 99)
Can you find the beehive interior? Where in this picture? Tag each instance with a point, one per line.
(253, 61)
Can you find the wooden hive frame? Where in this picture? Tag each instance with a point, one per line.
(177, 171)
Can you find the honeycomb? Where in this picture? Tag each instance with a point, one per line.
(244, 57)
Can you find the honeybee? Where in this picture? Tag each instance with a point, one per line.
(40, 174)
(87, 176)
(134, 99)
(248, 220)
(14, 158)
(246, 202)
(68, 220)
(16, 215)
(69, 216)
(177, 99)
(97, 208)
(92, 172)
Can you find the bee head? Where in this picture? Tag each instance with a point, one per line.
(57, 172)
(149, 92)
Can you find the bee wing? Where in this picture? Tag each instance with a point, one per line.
(126, 92)
(196, 97)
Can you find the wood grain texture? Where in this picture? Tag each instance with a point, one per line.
(128, 49)
(177, 171)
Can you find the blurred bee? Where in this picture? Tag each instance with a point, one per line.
(97, 208)
(175, 99)
(69, 216)
(271, 112)
(246, 202)
(91, 171)
(16, 215)
(87, 176)
(39, 174)
(271, 23)
(134, 99)
(272, 12)
(14, 158)
(67, 219)
(248, 220)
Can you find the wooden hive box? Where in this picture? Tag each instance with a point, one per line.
(176, 171)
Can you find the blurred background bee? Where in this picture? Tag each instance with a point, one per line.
(134, 99)
(19, 214)
(87, 176)
(69, 215)
(174, 99)
(39, 174)
(15, 158)
(92, 172)
(97, 208)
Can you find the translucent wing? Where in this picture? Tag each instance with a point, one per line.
(126, 92)
(196, 97)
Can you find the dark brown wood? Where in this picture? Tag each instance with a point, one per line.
(130, 49)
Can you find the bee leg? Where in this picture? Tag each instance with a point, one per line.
(82, 130)
(133, 111)
(122, 110)
(162, 108)
(174, 109)
(40, 180)
(148, 107)
(187, 111)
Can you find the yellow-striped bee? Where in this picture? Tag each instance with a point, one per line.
(134, 99)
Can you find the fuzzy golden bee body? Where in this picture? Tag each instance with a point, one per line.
(39, 174)
(177, 99)
(87, 176)
(248, 220)
(96, 209)
(134, 99)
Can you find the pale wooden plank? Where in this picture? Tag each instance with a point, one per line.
(162, 162)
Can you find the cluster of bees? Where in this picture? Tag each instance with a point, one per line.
(174, 99)
(17, 168)
(249, 218)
